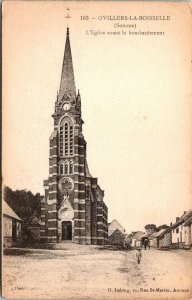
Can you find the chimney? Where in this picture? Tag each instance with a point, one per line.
(184, 212)
(177, 219)
(170, 224)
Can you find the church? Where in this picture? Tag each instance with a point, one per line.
(73, 208)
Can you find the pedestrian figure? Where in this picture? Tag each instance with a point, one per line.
(138, 255)
(149, 244)
(145, 243)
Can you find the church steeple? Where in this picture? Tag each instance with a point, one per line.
(73, 207)
(67, 89)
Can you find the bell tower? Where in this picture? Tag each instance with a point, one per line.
(68, 212)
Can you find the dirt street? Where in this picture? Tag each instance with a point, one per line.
(87, 272)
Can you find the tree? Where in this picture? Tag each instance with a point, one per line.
(150, 228)
(24, 203)
(164, 226)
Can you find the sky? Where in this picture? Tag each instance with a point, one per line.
(136, 101)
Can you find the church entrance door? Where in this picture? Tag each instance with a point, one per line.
(67, 230)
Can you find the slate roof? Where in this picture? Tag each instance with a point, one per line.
(158, 233)
(188, 222)
(166, 230)
(67, 83)
(185, 217)
(8, 211)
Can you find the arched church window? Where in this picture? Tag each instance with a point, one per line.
(61, 169)
(61, 141)
(71, 167)
(71, 140)
(66, 138)
(66, 166)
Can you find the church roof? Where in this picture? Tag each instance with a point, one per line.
(67, 83)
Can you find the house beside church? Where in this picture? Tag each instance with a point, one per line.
(181, 230)
(188, 232)
(11, 226)
(115, 225)
(73, 208)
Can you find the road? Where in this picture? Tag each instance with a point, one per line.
(87, 272)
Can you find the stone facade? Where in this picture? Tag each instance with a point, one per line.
(73, 207)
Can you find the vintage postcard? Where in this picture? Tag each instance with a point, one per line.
(97, 150)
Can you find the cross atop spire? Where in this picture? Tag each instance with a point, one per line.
(68, 16)
(67, 90)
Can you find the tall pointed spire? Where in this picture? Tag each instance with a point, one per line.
(67, 84)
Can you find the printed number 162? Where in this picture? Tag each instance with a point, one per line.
(84, 18)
